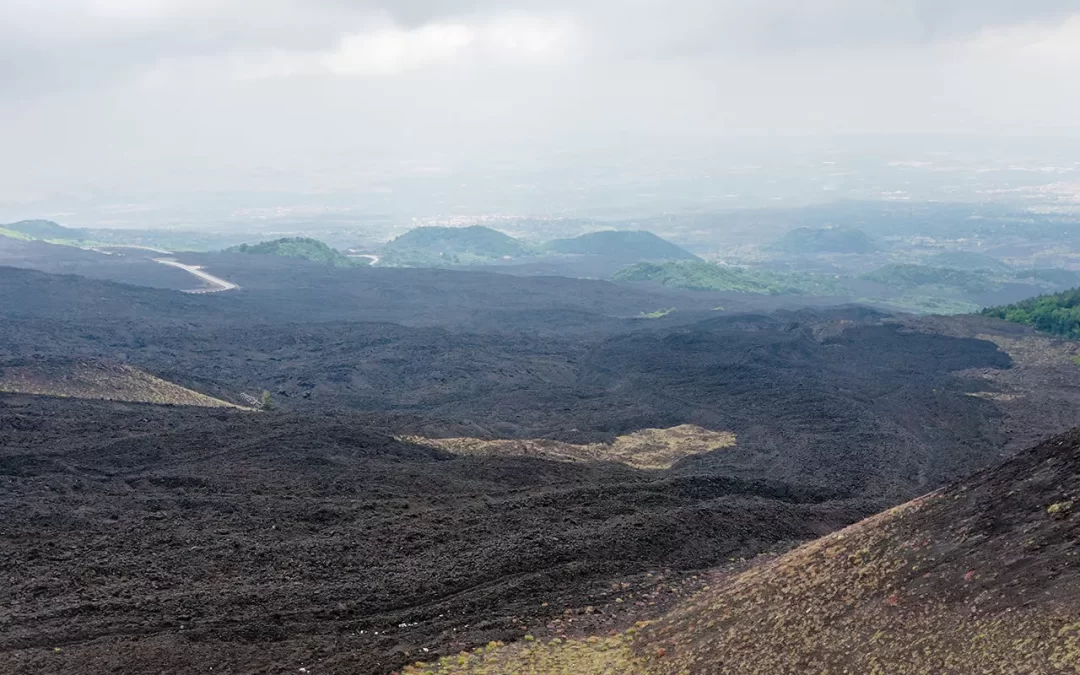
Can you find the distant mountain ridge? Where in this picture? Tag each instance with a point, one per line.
(44, 229)
(629, 244)
(451, 245)
(809, 240)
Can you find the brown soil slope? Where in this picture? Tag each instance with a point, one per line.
(980, 577)
(100, 381)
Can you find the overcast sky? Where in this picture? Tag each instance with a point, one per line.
(219, 94)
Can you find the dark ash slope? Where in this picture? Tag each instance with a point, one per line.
(138, 539)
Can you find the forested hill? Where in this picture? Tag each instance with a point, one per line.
(456, 245)
(1058, 313)
(299, 247)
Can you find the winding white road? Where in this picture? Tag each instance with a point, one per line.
(136, 247)
(218, 283)
(373, 258)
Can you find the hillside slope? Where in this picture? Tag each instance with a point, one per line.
(451, 245)
(44, 229)
(627, 245)
(1058, 314)
(98, 381)
(837, 398)
(229, 542)
(29, 253)
(909, 277)
(980, 577)
(298, 247)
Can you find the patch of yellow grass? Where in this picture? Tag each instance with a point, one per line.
(994, 396)
(97, 381)
(644, 449)
(591, 656)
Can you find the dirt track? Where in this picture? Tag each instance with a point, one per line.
(217, 284)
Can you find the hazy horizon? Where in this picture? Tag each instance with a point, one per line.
(425, 108)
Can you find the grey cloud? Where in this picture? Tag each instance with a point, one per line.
(83, 46)
(774, 24)
(781, 26)
(76, 91)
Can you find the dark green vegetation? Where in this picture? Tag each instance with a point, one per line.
(300, 247)
(807, 240)
(946, 290)
(451, 246)
(630, 245)
(910, 277)
(1058, 314)
(703, 276)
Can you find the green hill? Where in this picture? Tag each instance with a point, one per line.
(966, 260)
(299, 247)
(1058, 313)
(703, 276)
(629, 245)
(45, 229)
(808, 240)
(1053, 279)
(452, 245)
(905, 277)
